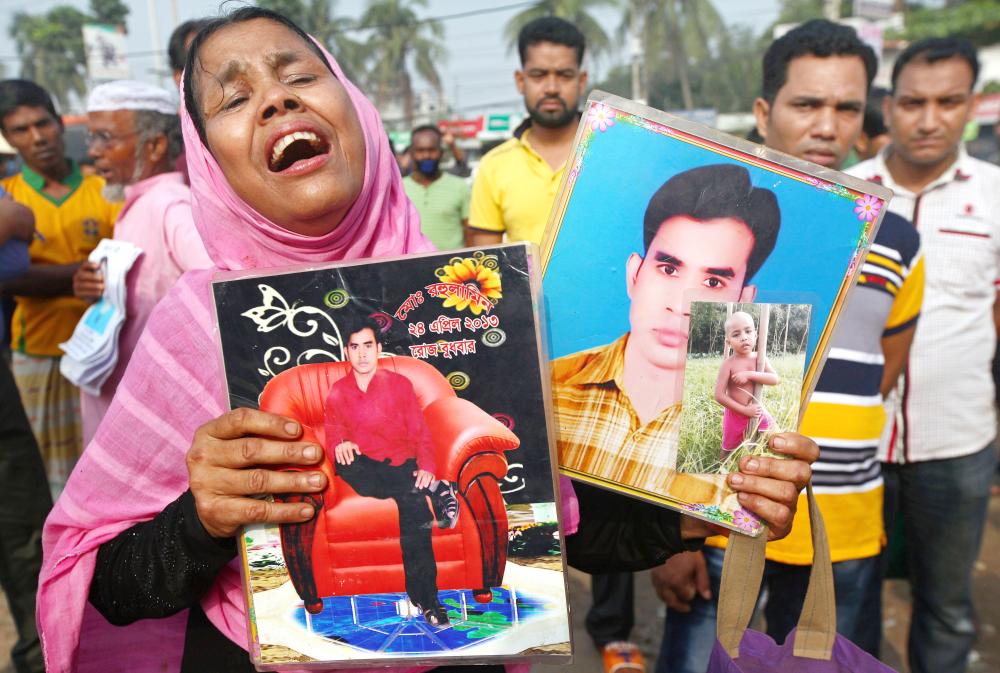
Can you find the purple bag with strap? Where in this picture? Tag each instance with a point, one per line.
(813, 646)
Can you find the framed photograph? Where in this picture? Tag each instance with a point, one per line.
(742, 382)
(437, 540)
(656, 213)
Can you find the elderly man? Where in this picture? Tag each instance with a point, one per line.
(135, 139)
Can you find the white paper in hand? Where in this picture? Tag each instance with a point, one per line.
(92, 351)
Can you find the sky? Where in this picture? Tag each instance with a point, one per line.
(477, 75)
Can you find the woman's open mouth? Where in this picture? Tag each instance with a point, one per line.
(293, 151)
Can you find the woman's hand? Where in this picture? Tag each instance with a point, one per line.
(232, 457)
(768, 487)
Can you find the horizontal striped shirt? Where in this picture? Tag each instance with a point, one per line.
(845, 415)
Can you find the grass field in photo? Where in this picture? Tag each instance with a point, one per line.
(700, 440)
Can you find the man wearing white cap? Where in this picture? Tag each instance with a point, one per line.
(134, 137)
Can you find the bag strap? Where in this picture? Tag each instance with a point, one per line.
(742, 573)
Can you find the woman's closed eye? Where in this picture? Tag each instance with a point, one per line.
(233, 102)
(300, 79)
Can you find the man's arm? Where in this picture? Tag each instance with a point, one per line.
(896, 350)
(44, 280)
(16, 221)
(479, 237)
(902, 324)
(334, 430)
(14, 259)
(416, 428)
(486, 225)
(461, 168)
(996, 313)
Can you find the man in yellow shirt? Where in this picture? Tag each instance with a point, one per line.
(516, 183)
(71, 217)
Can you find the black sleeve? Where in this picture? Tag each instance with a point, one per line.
(158, 567)
(621, 534)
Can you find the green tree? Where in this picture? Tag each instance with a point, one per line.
(577, 12)
(112, 12)
(51, 45)
(677, 35)
(691, 59)
(318, 18)
(402, 44)
(975, 20)
(797, 11)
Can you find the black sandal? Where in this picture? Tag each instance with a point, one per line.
(436, 616)
(445, 505)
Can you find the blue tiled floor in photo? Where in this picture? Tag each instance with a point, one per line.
(373, 622)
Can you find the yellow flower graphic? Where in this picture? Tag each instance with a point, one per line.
(479, 272)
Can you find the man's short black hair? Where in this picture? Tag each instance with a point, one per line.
(934, 49)
(818, 37)
(874, 123)
(15, 93)
(176, 51)
(550, 29)
(426, 128)
(358, 323)
(713, 192)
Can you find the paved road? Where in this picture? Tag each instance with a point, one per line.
(649, 616)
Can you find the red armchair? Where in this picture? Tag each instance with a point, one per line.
(355, 545)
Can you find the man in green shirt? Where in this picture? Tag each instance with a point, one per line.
(441, 199)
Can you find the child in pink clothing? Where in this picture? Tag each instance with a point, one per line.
(734, 385)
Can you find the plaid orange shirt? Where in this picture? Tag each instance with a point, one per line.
(599, 435)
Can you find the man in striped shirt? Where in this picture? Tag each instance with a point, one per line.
(816, 80)
(939, 450)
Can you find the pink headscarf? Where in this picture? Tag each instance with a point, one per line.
(135, 466)
(381, 222)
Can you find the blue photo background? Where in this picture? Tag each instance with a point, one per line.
(584, 283)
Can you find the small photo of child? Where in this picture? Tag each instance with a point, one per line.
(735, 383)
(742, 381)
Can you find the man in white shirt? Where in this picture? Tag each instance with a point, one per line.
(939, 444)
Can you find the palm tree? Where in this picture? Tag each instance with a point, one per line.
(577, 12)
(52, 53)
(400, 43)
(51, 46)
(317, 18)
(676, 34)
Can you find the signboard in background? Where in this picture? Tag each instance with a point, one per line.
(874, 9)
(400, 140)
(499, 123)
(871, 34)
(987, 108)
(462, 128)
(705, 116)
(104, 45)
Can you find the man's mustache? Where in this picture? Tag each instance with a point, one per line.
(548, 99)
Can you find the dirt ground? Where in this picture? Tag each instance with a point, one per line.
(649, 616)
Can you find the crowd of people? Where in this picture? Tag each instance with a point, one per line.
(136, 566)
